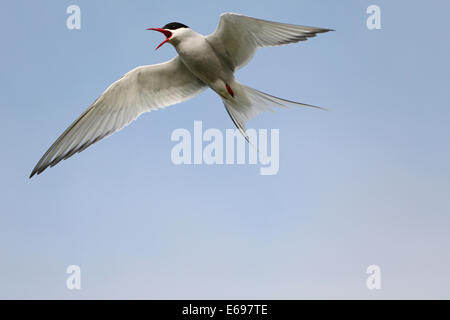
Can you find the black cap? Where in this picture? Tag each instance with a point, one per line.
(174, 26)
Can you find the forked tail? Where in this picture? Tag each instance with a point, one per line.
(248, 102)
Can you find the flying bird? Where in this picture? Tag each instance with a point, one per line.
(202, 62)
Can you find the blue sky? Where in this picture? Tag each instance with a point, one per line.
(365, 183)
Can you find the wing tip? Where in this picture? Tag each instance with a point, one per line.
(33, 173)
(322, 30)
(37, 171)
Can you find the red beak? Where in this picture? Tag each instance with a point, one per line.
(167, 33)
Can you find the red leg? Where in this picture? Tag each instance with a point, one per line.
(229, 90)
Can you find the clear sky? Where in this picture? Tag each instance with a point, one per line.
(366, 183)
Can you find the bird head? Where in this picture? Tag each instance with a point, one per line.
(171, 30)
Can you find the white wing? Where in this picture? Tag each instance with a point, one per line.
(142, 89)
(237, 37)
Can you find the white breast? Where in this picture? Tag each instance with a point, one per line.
(200, 58)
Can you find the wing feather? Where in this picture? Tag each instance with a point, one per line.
(237, 36)
(141, 90)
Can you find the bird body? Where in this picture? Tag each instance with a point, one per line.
(200, 58)
(202, 62)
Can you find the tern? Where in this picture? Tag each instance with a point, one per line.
(202, 62)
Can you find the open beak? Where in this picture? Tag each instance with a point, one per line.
(167, 33)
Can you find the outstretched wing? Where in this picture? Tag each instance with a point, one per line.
(142, 89)
(237, 37)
